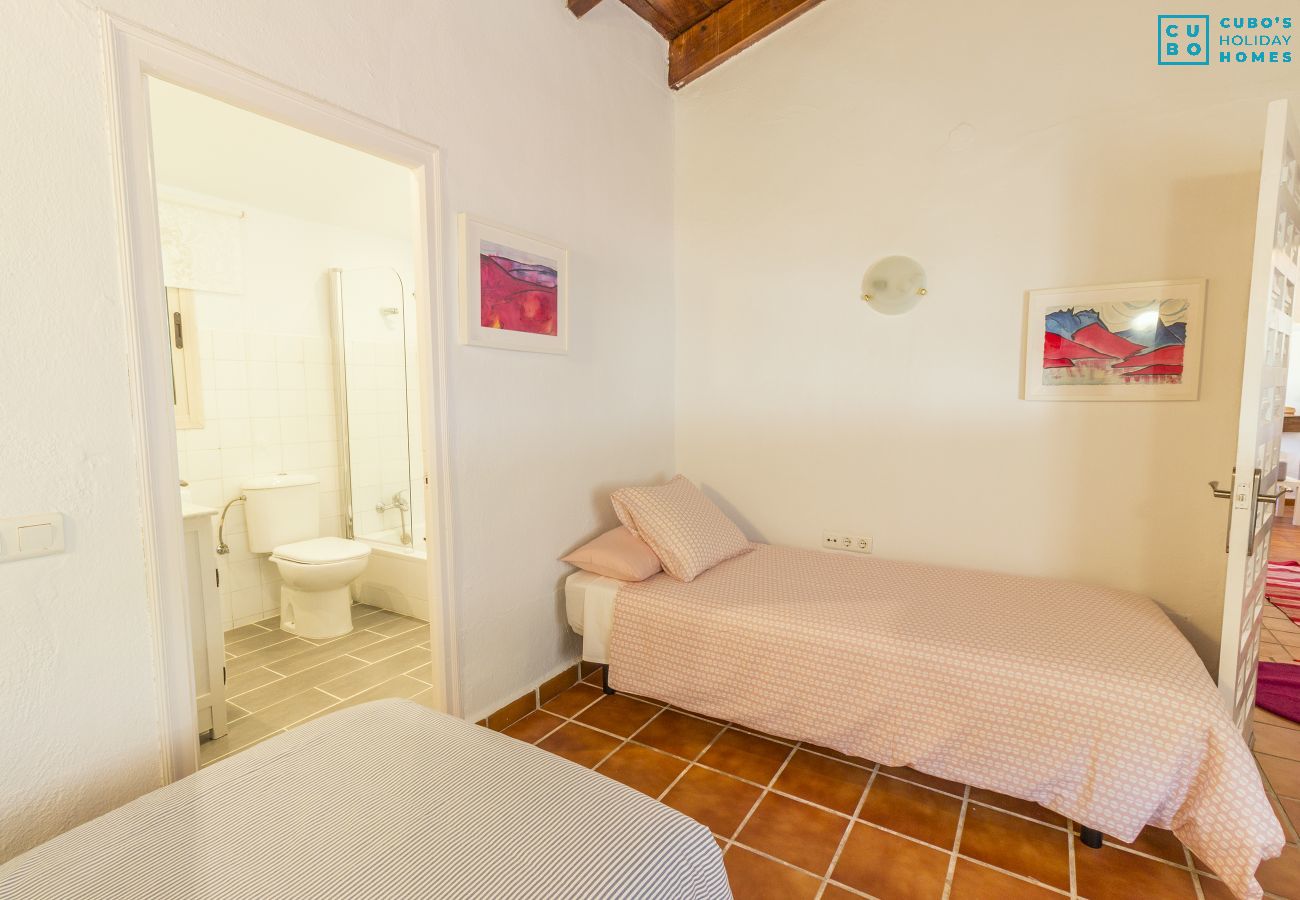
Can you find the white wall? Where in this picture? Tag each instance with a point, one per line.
(1007, 147)
(555, 126)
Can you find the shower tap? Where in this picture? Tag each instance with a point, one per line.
(402, 505)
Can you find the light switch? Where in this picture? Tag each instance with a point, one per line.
(35, 538)
(23, 537)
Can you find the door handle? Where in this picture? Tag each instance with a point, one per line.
(1220, 494)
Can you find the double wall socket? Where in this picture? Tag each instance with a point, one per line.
(849, 543)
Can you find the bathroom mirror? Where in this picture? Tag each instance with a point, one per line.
(894, 285)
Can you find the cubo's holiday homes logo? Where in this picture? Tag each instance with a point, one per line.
(1186, 40)
(1183, 40)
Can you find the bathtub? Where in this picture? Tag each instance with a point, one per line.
(396, 577)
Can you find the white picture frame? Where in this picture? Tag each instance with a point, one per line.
(507, 280)
(1135, 341)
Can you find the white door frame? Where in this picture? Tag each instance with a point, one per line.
(133, 54)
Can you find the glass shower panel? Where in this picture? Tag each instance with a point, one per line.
(373, 361)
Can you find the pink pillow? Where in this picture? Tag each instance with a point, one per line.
(684, 528)
(618, 553)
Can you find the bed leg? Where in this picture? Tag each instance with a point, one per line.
(1090, 837)
(604, 680)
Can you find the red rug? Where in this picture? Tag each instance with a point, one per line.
(1278, 690)
(1282, 588)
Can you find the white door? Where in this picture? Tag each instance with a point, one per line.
(1263, 398)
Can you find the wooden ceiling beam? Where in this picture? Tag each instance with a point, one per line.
(581, 7)
(658, 20)
(733, 27)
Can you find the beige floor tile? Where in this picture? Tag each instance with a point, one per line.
(398, 625)
(314, 656)
(387, 647)
(247, 681)
(286, 687)
(399, 687)
(258, 641)
(293, 710)
(235, 635)
(371, 618)
(242, 733)
(366, 677)
(267, 655)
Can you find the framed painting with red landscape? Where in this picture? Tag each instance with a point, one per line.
(513, 289)
(1137, 341)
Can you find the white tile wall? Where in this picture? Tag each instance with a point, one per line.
(267, 410)
(377, 425)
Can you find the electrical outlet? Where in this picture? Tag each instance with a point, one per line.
(847, 543)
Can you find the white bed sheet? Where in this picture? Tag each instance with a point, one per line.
(589, 604)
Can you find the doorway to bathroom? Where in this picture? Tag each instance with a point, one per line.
(287, 345)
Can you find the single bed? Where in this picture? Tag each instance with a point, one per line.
(1085, 700)
(384, 800)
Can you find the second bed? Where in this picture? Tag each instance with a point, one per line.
(1085, 700)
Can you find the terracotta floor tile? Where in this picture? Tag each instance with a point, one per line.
(534, 726)
(1281, 876)
(1283, 774)
(746, 755)
(1017, 845)
(762, 734)
(885, 865)
(754, 878)
(827, 751)
(971, 881)
(678, 733)
(1291, 808)
(909, 774)
(1016, 805)
(582, 745)
(717, 801)
(618, 714)
(1214, 889)
(570, 702)
(912, 810)
(649, 771)
(829, 782)
(1274, 740)
(1158, 842)
(795, 832)
(1268, 718)
(1113, 874)
(833, 892)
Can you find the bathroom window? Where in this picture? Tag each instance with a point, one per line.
(187, 392)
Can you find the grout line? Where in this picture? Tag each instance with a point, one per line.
(956, 843)
(1196, 877)
(1072, 858)
(844, 838)
(766, 790)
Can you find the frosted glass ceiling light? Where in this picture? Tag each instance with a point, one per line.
(894, 285)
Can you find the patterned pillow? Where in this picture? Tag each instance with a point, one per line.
(688, 533)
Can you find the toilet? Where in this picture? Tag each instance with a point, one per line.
(283, 515)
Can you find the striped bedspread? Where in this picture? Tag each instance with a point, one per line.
(385, 800)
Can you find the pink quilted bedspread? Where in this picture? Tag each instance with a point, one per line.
(1086, 700)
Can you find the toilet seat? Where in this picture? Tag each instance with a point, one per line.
(321, 551)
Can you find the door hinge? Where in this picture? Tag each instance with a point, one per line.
(223, 674)
(218, 571)
(180, 331)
